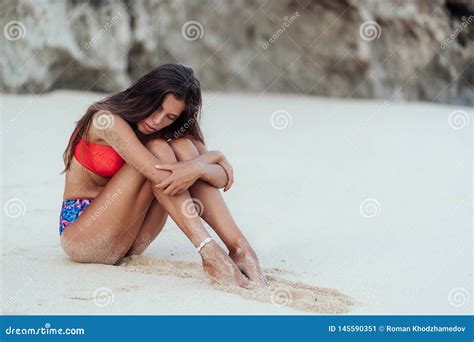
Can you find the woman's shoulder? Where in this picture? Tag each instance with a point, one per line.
(103, 122)
(92, 137)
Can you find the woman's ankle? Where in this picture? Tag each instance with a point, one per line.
(210, 251)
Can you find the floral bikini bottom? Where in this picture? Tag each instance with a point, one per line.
(71, 210)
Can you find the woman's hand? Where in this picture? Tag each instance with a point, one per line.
(183, 175)
(222, 161)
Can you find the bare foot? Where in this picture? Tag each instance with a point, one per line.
(246, 259)
(220, 267)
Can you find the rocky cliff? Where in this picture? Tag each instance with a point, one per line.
(403, 50)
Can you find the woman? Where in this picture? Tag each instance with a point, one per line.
(138, 156)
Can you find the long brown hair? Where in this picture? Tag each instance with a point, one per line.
(143, 98)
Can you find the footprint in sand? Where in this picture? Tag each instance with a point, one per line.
(280, 292)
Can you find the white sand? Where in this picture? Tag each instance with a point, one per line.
(297, 196)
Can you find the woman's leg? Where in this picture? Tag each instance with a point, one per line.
(152, 225)
(216, 213)
(107, 228)
(215, 261)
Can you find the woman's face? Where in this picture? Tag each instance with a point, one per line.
(169, 111)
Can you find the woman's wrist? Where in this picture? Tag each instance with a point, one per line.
(199, 166)
(210, 170)
(210, 157)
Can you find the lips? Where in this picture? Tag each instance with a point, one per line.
(149, 128)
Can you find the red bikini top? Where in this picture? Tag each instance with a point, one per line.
(99, 159)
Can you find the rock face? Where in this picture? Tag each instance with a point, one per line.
(403, 50)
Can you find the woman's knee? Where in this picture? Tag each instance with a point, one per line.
(162, 150)
(184, 149)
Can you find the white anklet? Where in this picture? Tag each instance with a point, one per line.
(203, 243)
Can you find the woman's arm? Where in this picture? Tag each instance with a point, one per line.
(210, 166)
(118, 134)
(215, 169)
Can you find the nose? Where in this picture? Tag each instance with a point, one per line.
(155, 119)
